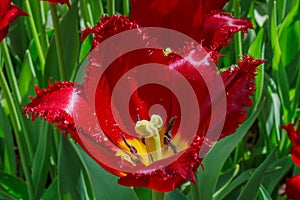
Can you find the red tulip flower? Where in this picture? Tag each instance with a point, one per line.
(293, 184)
(200, 20)
(8, 13)
(59, 1)
(294, 136)
(293, 187)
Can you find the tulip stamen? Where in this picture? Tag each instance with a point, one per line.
(149, 131)
(168, 136)
(138, 118)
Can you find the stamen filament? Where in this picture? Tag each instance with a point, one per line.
(153, 147)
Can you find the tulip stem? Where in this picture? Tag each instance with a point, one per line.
(87, 12)
(35, 36)
(17, 130)
(58, 42)
(40, 26)
(16, 94)
(10, 72)
(158, 195)
(126, 7)
(110, 7)
(238, 36)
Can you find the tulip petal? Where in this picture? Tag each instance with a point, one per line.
(195, 18)
(107, 27)
(55, 105)
(4, 6)
(240, 86)
(8, 15)
(294, 136)
(293, 187)
(218, 27)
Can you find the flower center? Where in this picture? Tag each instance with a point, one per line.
(149, 131)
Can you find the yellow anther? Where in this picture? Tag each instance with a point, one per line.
(157, 121)
(145, 128)
(149, 128)
(150, 131)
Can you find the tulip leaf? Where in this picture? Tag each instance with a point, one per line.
(175, 195)
(41, 161)
(73, 179)
(51, 192)
(226, 179)
(11, 186)
(105, 184)
(251, 188)
(27, 76)
(143, 193)
(9, 156)
(279, 169)
(237, 182)
(216, 158)
(263, 193)
(279, 72)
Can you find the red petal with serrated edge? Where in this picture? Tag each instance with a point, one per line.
(240, 86)
(294, 136)
(55, 105)
(218, 27)
(59, 1)
(107, 27)
(170, 177)
(8, 14)
(293, 187)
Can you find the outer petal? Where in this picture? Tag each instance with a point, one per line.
(3, 33)
(4, 6)
(240, 86)
(295, 153)
(10, 14)
(197, 18)
(173, 14)
(218, 27)
(170, 177)
(139, 7)
(54, 104)
(294, 136)
(107, 27)
(59, 1)
(293, 187)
